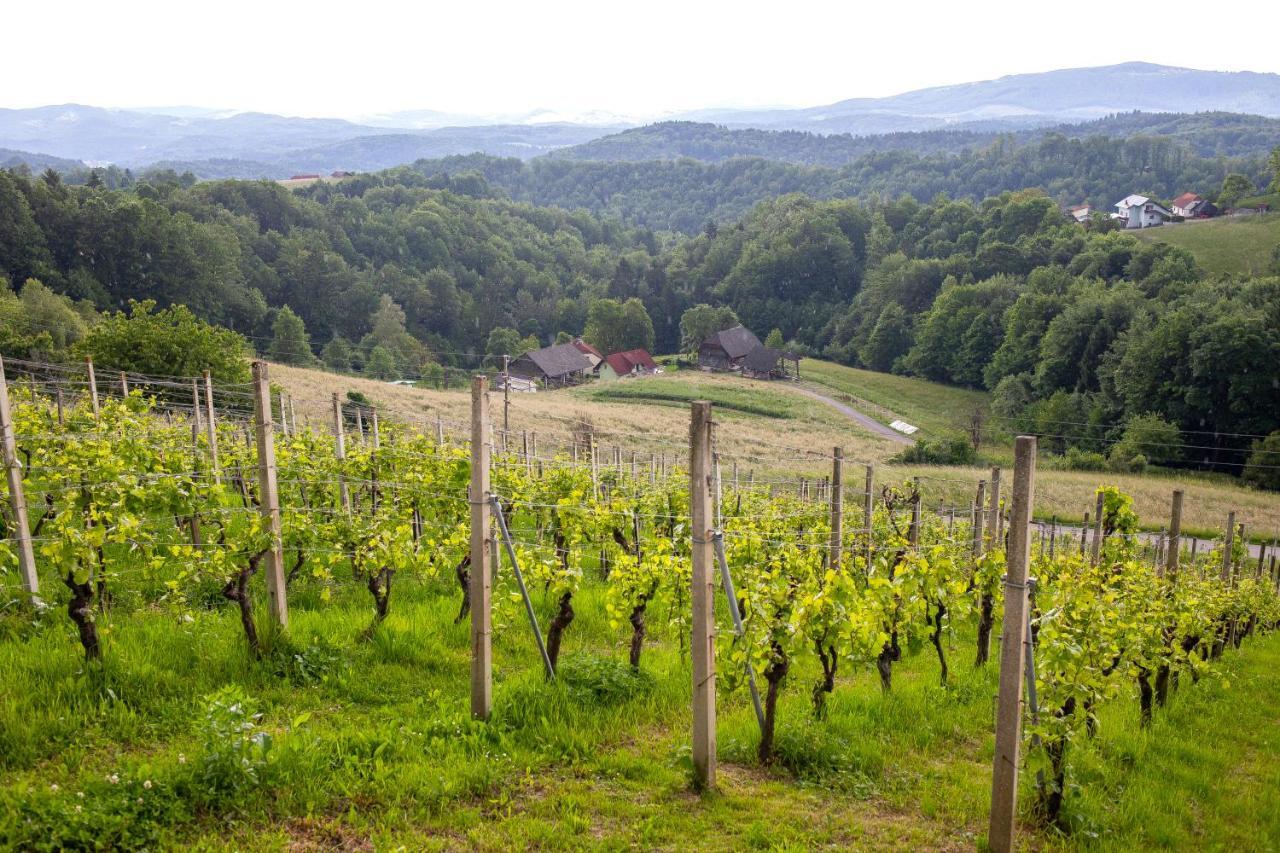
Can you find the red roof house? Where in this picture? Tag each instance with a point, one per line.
(593, 355)
(633, 362)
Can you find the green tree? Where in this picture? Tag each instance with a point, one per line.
(775, 339)
(1150, 436)
(289, 341)
(381, 364)
(1273, 165)
(889, 340)
(701, 322)
(169, 342)
(1234, 187)
(337, 354)
(1263, 466)
(614, 326)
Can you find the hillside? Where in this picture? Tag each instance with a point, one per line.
(1229, 245)
(781, 424)
(1205, 134)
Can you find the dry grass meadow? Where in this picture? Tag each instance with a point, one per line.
(770, 430)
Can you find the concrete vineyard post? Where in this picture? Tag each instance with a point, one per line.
(1228, 545)
(17, 497)
(93, 385)
(703, 644)
(340, 451)
(269, 493)
(913, 531)
(124, 384)
(837, 505)
(1171, 553)
(868, 510)
(377, 436)
(993, 516)
(198, 415)
(481, 580)
(1013, 651)
(211, 426)
(1096, 553)
(506, 396)
(979, 514)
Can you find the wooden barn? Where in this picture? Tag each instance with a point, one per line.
(554, 366)
(726, 350)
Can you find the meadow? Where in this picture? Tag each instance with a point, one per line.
(1228, 245)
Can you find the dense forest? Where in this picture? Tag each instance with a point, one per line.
(1065, 325)
(684, 194)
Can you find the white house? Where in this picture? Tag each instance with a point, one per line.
(1080, 213)
(1138, 211)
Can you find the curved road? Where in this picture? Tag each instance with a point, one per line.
(866, 421)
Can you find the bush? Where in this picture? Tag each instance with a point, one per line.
(946, 450)
(1076, 459)
(169, 342)
(1263, 466)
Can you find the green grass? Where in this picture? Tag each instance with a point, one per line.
(752, 398)
(373, 746)
(1228, 245)
(932, 406)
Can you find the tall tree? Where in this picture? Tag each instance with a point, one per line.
(289, 341)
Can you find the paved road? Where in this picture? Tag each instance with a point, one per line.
(866, 421)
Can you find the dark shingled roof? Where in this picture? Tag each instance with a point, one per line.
(735, 342)
(559, 360)
(762, 359)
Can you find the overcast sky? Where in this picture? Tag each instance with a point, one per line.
(646, 59)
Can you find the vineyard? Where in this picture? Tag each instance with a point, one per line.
(184, 564)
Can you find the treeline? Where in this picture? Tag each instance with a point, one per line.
(1205, 134)
(684, 194)
(456, 265)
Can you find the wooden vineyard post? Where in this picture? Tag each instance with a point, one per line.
(868, 512)
(340, 450)
(211, 426)
(373, 425)
(481, 579)
(993, 516)
(1096, 553)
(293, 418)
(1228, 545)
(837, 505)
(124, 384)
(913, 531)
(506, 396)
(17, 497)
(269, 493)
(1174, 546)
(1013, 652)
(978, 516)
(704, 640)
(93, 385)
(439, 431)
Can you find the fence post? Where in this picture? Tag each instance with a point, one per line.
(1013, 653)
(704, 640)
(1096, 553)
(979, 515)
(293, 418)
(93, 384)
(17, 497)
(506, 396)
(124, 384)
(1228, 545)
(211, 426)
(481, 581)
(340, 450)
(439, 431)
(269, 493)
(1174, 547)
(377, 436)
(913, 531)
(195, 405)
(837, 506)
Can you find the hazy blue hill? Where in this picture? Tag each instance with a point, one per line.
(1067, 94)
(10, 159)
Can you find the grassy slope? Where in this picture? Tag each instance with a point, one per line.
(373, 750)
(624, 415)
(1231, 245)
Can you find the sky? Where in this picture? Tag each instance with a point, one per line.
(638, 60)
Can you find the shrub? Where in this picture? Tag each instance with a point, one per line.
(945, 450)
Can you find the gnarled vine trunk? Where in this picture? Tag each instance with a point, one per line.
(884, 663)
(936, 637)
(773, 674)
(80, 609)
(237, 590)
(556, 629)
(1051, 796)
(1145, 695)
(379, 584)
(826, 684)
(986, 621)
(462, 572)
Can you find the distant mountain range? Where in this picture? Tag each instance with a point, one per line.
(225, 143)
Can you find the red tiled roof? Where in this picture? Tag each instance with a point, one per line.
(1185, 199)
(626, 362)
(586, 348)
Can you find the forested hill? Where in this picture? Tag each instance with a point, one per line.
(684, 194)
(1065, 325)
(1206, 134)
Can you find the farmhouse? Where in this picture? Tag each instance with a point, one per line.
(1080, 212)
(726, 350)
(562, 364)
(1138, 211)
(633, 362)
(593, 355)
(1189, 206)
